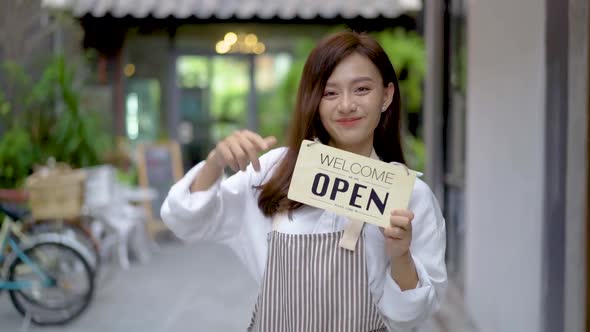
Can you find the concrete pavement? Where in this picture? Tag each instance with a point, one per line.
(184, 288)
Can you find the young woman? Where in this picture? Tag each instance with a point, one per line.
(348, 98)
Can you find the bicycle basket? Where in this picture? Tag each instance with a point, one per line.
(56, 194)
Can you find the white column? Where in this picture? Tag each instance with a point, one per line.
(505, 164)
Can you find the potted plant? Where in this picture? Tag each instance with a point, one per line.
(37, 129)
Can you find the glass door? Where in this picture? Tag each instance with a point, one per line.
(213, 101)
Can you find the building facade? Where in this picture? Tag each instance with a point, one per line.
(517, 156)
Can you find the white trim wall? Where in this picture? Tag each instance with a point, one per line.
(505, 155)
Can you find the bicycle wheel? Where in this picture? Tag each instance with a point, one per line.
(69, 294)
(76, 230)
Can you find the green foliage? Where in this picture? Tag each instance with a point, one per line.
(17, 154)
(4, 105)
(290, 85)
(76, 140)
(415, 152)
(127, 177)
(273, 116)
(407, 53)
(76, 137)
(39, 129)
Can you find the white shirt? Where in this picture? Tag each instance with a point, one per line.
(228, 213)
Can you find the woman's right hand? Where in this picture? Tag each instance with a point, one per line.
(239, 149)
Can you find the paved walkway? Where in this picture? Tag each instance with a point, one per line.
(195, 287)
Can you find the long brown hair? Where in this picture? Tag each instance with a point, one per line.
(306, 123)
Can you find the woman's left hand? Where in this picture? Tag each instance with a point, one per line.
(398, 235)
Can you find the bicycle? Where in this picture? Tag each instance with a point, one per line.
(75, 228)
(46, 275)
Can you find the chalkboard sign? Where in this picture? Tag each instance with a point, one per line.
(159, 166)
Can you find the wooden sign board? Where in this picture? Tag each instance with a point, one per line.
(351, 185)
(159, 167)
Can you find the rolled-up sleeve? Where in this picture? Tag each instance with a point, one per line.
(404, 310)
(217, 213)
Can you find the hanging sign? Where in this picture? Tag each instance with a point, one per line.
(351, 185)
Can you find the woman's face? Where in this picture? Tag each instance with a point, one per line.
(352, 103)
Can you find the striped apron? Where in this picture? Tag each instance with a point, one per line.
(311, 284)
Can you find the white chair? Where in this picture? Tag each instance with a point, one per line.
(140, 242)
(121, 225)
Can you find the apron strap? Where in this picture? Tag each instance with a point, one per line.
(352, 232)
(276, 220)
